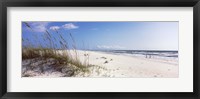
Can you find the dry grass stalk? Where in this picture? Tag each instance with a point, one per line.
(49, 49)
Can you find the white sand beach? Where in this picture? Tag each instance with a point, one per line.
(103, 64)
(129, 66)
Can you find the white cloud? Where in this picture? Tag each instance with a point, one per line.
(110, 47)
(38, 26)
(54, 28)
(70, 26)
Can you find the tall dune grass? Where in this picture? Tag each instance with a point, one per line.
(52, 47)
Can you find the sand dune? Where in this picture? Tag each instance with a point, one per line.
(103, 64)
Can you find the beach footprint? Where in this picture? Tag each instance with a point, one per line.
(105, 62)
(103, 57)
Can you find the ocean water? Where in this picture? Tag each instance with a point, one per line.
(166, 55)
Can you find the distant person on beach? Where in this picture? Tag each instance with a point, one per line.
(148, 56)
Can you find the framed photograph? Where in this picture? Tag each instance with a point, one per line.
(91, 49)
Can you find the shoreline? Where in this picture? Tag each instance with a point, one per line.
(129, 66)
(153, 58)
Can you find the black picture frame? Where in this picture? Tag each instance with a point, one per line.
(99, 3)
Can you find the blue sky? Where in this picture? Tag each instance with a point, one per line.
(109, 35)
